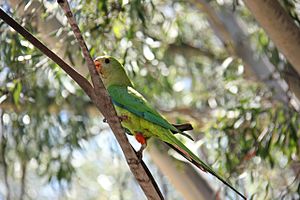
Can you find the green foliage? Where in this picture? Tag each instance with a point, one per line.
(173, 57)
(35, 94)
(291, 8)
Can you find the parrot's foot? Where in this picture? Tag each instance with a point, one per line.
(123, 118)
(143, 141)
(140, 152)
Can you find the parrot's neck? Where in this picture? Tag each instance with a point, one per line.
(118, 78)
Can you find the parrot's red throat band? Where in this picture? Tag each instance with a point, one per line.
(98, 66)
(140, 138)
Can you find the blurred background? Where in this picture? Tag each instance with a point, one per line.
(199, 61)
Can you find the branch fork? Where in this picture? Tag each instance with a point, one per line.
(98, 94)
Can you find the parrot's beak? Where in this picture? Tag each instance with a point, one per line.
(98, 66)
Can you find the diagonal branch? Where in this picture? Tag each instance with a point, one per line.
(103, 103)
(279, 26)
(106, 107)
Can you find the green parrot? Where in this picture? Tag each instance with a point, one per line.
(139, 118)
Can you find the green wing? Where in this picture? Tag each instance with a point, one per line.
(134, 102)
(128, 98)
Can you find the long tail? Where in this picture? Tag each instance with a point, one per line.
(201, 165)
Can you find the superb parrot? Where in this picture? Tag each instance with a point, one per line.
(139, 118)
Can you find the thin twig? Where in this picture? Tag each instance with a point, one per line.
(141, 172)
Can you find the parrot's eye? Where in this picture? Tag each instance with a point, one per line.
(106, 60)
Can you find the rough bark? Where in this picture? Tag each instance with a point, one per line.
(104, 104)
(52, 24)
(227, 29)
(279, 26)
(101, 99)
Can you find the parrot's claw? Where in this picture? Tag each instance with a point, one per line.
(140, 155)
(123, 118)
(140, 152)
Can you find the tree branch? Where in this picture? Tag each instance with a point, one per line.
(189, 50)
(280, 27)
(232, 34)
(103, 103)
(107, 109)
(80, 80)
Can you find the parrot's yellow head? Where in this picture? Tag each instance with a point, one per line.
(111, 71)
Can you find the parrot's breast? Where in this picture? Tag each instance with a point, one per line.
(136, 124)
